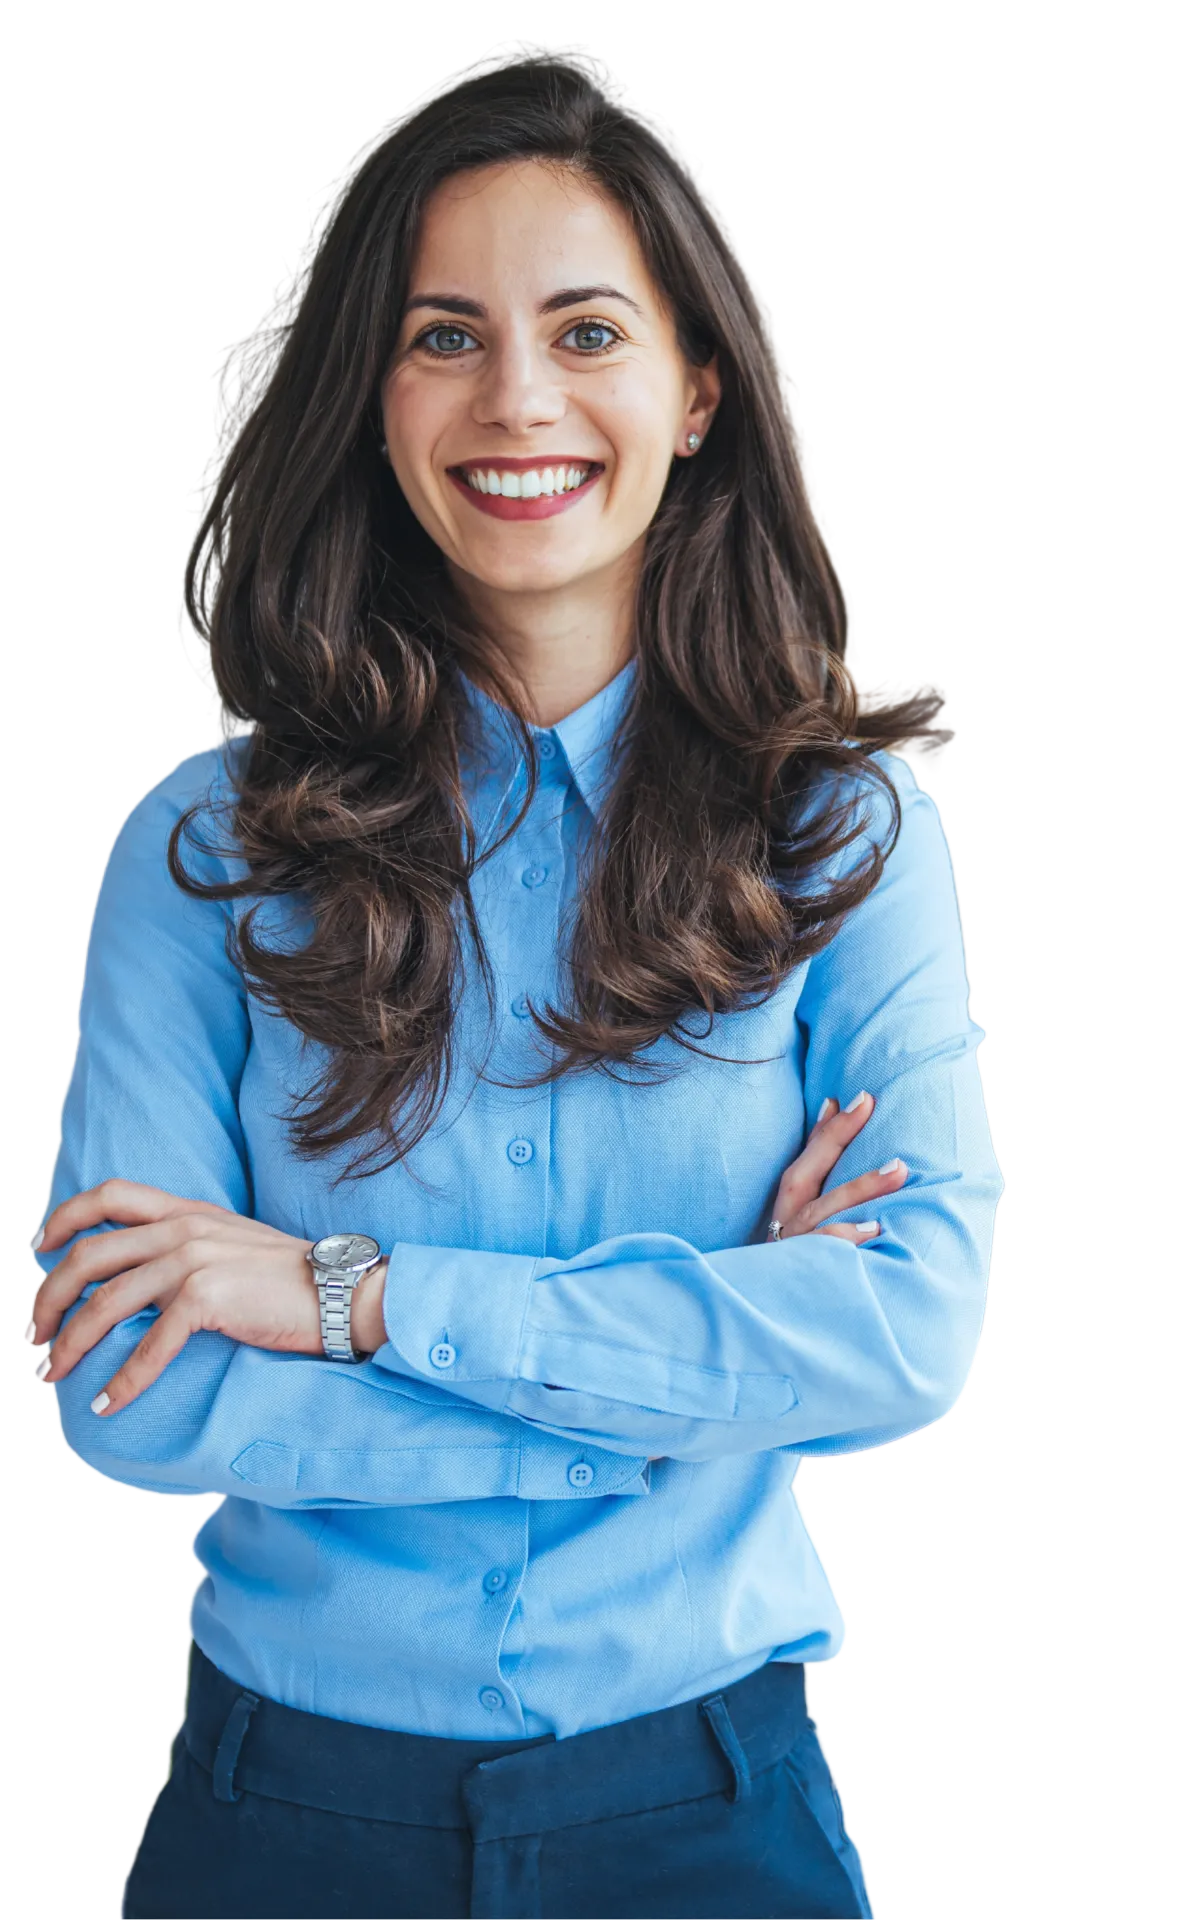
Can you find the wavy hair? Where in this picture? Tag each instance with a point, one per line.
(335, 631)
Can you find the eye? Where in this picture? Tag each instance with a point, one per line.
(424, 341)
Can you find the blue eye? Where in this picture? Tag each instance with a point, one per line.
(425, 340)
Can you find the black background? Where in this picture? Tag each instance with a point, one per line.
(1010, 1625)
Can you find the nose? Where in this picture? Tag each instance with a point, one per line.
(519, 388)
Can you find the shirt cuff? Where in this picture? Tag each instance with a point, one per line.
(456, 1317)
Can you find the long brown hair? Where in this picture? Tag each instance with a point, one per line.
(334, 629)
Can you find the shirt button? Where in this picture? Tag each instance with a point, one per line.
(490, 1699)
(496, 1580)
(545, 747)
(520, 1007)
(533, 876)
(520, 1152)
(580, 1475)
(443, 1355)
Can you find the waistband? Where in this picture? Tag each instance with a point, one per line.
(497, 1789)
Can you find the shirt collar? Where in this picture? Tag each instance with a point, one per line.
(585, 736)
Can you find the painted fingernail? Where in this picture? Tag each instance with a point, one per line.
(31, 1330)
(826, 1107)
(44, 1366)
(893, 1166)
(38, 1237)
(99, 1403)
(856, 1102)
(867, 1227)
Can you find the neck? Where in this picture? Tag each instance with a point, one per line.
(565, 646)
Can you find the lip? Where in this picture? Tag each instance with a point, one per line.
(502, 507)
(530, 461)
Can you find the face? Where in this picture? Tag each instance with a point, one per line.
(505, 368)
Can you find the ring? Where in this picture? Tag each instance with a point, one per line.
(775, 1230)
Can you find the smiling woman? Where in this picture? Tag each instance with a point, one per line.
(345, 565)
(512, 1018)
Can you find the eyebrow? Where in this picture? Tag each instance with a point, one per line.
(475, 310)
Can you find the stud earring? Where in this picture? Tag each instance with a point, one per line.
(693, 441)
(383, 448)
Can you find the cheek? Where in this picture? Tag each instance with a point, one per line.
(638, 421)
(416, 418)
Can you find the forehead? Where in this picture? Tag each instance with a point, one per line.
(529, 226)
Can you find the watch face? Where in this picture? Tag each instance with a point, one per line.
(345, 1252)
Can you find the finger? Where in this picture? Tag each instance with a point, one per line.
(836, 1127)
(87, 1329)
(110, 1304)
(127, 1202)
(841, 1229)
(60, 1291)
(808, 1172)
(154, 1351)
(852, 1193)
(100, 1256)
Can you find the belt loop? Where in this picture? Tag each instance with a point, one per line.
(717, 1714)
(230, 1745)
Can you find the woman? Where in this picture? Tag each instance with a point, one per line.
(466, 1054)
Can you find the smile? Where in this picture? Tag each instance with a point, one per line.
(507, 507)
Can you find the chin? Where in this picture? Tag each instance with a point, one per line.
(542, 577)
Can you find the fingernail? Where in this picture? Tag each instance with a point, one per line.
(867, 1227)
(31, 1330)
(45, 1366)
(826, 1107)
(38, 1237)
(100, 1402)
(856, 1102)
(893, 1166)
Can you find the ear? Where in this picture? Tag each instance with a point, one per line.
(703, 396)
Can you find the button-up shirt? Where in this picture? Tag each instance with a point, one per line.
(560, 1494)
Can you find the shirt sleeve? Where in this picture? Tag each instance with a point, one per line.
(164, 1039)
(646, 1343)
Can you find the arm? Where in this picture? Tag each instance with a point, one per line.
(811, 1344)
(164, 1040)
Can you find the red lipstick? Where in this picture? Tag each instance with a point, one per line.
(503, 507)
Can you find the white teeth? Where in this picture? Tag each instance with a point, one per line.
(528, 485)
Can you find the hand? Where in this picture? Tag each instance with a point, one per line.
(204, 1267)
(800, 1203)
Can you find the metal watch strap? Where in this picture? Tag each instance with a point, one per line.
(336, 1292)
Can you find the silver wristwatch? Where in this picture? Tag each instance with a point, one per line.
(339, 1262)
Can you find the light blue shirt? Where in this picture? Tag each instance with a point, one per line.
(469, 1535)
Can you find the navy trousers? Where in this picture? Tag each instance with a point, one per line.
(723, 1806)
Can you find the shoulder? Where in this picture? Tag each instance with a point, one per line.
(203, 785)
(898, 771)
(893, 813)
(893, 841)
(205, 780)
